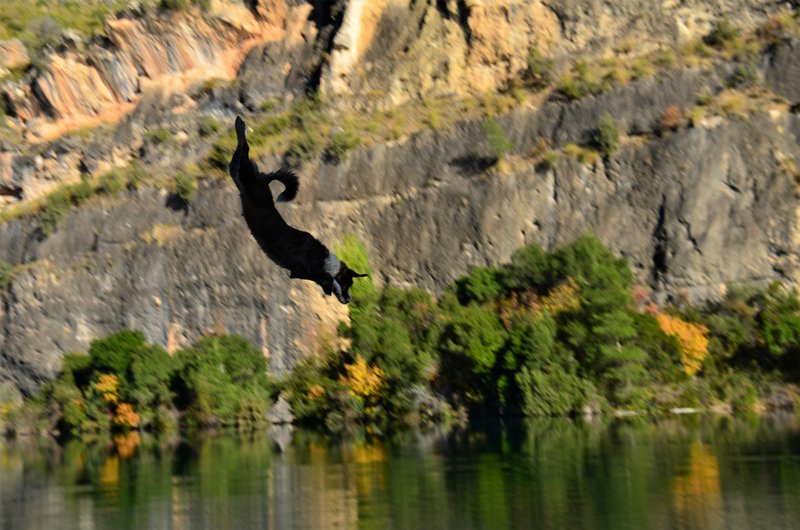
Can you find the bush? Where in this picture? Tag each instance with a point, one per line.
(222, 150)
(580, 82)
(43, 33)
(222, 380)
(208, 125)
(549, 392)
(397, 333)
(306, 144)
(55, 207)
(6, 274)
(159, 136)
(308, 121)
(722, 33)
(340, 143)
(539, 71)
(185, 186)
(111, 183)
(136, 174)
(481, 285)
(606, 137)
(530, 267)
(120, 385)
(471, 339)
(499, 144)
(311, 388)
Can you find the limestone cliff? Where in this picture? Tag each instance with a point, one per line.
(405, 49)
(85, 83)
(710, 202)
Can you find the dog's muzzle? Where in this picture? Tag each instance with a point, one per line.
(344, 298)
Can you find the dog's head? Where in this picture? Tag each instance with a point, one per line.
(345, 279)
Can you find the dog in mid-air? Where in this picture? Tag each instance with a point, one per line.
(300, 252)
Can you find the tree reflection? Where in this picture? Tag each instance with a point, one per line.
(694, 472)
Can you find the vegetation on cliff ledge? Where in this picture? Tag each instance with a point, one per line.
(125, 384)
(557, 333)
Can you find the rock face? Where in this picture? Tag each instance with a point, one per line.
(139, 264)
(406, 48)
(12, 54)
(84, 84)
(692, 209)
(143, 59)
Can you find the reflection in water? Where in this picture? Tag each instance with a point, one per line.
(682, 473)
(696, 494)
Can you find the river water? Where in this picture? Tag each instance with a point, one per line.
(684, 472)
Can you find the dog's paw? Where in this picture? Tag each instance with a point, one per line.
(239, 127)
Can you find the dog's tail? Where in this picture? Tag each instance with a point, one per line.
(251, 181)
(289, 179)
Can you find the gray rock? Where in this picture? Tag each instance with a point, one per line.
(783, 71)
(280, 412)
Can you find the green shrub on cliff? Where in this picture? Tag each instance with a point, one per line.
(606, 136)
(340, 143)
(208, 125)
(6, 274)
(499, 143)
(39, 24)
(722, 33)
(539, 71)
(222, 380)
(756, 330)
(55, 207)
(185, 186)
(581, 81)
(124, 383)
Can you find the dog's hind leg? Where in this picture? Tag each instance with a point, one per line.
(245, 172)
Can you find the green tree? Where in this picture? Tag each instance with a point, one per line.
(530, 267)
(222, 380)
(471, 338)
(482, 284)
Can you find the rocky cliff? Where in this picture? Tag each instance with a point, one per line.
(693, 206)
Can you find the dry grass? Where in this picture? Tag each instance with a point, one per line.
(586, 155)
(161, 234)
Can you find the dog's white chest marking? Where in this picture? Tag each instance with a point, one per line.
(332, 265)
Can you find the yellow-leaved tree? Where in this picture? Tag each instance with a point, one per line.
(107, 385)
(692, 338)
(363, 381)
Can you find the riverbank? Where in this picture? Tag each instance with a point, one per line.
(564, 333)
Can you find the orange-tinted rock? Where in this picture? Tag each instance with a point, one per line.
(13, 54)
(170, 51)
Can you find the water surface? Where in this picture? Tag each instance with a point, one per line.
(693, 473)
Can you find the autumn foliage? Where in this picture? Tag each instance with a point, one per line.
(126, 417)
(363, 381)
(693, 339)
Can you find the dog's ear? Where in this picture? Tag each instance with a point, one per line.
(357, 275)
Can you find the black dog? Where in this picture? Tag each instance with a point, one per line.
(300, 252)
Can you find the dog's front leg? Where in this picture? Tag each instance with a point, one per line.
(337, 289)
